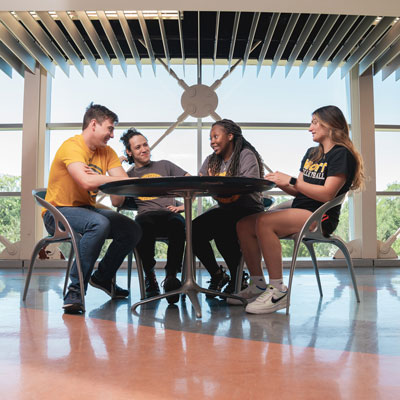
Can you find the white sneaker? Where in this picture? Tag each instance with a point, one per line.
(250, 294)
(269, 301)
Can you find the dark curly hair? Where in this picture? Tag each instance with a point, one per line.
(99, 113)
(239, 143)
(125, 138)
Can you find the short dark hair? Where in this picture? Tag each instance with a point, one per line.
(99, 113)
(125, 138)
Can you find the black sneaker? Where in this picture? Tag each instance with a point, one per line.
(151, 284)
(106, 287)
(73, 302)
(217, 282)
(171, 283)
(230, 287)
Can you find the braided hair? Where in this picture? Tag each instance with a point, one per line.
(239, 143)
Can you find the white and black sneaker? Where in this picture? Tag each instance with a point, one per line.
(268, 302)
(250, 293)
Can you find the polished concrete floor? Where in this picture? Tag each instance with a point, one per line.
(328, 348)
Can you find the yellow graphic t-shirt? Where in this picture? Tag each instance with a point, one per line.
(62, 190)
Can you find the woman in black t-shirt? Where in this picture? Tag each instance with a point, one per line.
(326, 171)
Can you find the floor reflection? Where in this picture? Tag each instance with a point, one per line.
(327, 347)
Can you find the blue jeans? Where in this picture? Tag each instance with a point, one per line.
(94, 226)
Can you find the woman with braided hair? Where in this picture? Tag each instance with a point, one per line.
(233, 156)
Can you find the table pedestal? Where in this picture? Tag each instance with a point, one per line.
(189, 285)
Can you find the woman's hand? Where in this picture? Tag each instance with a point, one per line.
(176, 209)
(279, 178)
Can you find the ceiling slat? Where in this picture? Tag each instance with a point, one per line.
(164, 39)
(309, 25)
(77, 38)
(105, 23)
(397, 76)
(181, 40)
(233, 38)
(39, 34)
(353, 39)
(391, 67)
(147, 40)
(16, 48)
(130, 40)
(217, 18)
(61, 40)
(372, 37)
(23, 36)
(339, 35)
(387, 57)
(284, 41)
(267, 40)
(391, 36)
(316, 44)
(5, 68)
(11, 59)
(252, 32)
(94, 37)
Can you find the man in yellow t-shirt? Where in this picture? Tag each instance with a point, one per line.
(78, 169)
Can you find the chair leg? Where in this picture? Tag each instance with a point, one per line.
(70, 259)
(130, 256)
(139, 267)
(296, 247)
(349, 263)
(35, 253)
(310, 248)
(239, 275)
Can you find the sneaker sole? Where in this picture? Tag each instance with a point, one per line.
(91, 283)
(234, 302)
(260, 310)
(73, 308)
(175, 297)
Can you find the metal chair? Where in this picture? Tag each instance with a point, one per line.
(311, 233)
(62, 233)
(309, 237)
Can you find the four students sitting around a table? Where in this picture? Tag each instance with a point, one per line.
(328, 170)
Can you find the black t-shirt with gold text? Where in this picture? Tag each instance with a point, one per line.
(338, 160)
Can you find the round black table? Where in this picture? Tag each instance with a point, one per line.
(187, 187)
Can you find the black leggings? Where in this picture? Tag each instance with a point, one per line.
(165, 224)
(219, 224)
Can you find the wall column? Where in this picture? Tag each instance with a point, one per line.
(363, 204)
(35, 114)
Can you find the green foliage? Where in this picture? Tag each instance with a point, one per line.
(388, 216)
(10, 209)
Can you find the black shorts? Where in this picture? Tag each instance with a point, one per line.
(328, 225)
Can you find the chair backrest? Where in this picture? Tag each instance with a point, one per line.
(316, 218)
(62, 228)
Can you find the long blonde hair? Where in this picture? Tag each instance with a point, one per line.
(333, 118)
